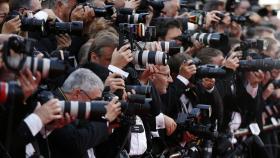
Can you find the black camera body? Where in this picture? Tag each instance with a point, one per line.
(27, 24)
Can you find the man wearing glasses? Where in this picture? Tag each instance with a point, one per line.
(79, 138)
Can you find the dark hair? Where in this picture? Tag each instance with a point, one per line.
(206, 55)
(103, 39)
(175, 61)
(17, 4)
(163, 26)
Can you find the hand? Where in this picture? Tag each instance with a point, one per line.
(170, 125)
(59, 123)
(133, 4)
(113, 110)
(63, 41)
(208, 83)
(268, 91)
(211, 18)
(187, 69)
(115, 83)
(28, 83)
(121, 57)
(49, 111)
(149, 71)
(254, 78)
(51, 14)
(232, 62)
(83, 13)
(11, 26)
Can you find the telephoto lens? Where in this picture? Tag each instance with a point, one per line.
(10, 90)
(170, 47)
(254, 44)
(259, 64)
(18, 59)
(140, 89)
(93, 110)
(136, 105)
(210, 71)
(212, 39)
(71, 28)
(149, 57)
(131, 19)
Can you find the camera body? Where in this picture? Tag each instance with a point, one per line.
(27, 24)
(137, 32)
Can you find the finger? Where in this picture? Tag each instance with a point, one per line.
(118, 87)
(51, 102)
(37, 77)
(119, 83)
(125, 47)
(57, 117)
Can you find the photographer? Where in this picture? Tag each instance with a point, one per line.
(82, 136)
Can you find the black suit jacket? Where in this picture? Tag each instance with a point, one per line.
(73, 141)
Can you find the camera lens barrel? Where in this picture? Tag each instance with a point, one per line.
(150, 57)
(210, 71)
(84, 110)
(259, 64)
(170, 47)
(139, 89)
(48, 68)
(211, 39)
(9, 90)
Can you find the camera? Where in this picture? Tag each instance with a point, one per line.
(266, 64)
(197, 122)
(212, 39)
(106, 12)
(253, 44)
(134, 33)
(10, 90)
(276, 84)
(140, 89)
(28, 24)
(149, 57)
(210, 71)
(197, 17)
(19, 59)
(131, 18)
(71, 28)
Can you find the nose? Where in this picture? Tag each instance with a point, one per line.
(170, 80)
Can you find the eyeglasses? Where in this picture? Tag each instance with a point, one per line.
(88, 95)
(166, 75)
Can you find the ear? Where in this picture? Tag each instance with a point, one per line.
(94, 57)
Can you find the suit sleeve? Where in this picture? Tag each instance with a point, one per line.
(79, 140)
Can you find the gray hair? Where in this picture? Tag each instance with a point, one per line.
(83, 79)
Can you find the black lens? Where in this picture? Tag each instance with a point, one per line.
(72, 28)
(259, 64)
(139, 89)
(210, 71)
(32, 25)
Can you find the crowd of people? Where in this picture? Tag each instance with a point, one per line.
(139, 79)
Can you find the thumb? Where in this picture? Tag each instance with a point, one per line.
(38, 105)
